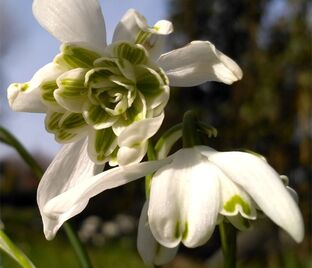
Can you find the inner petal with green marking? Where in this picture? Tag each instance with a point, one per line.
(102, 91)
(236, 200)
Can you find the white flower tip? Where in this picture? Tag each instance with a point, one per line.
(163, 27)
(297, 230)
(49, 235)
(237, 73)
(14, 90)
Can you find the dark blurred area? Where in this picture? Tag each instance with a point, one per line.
(269, 111)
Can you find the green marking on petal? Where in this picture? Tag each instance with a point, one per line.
(142, 37)
(72, 87)
(163, 76)
(106, 63)
(47, 90)
(104, 139)
(72, 121)
(75, 57)
(185, 232)
(137, 111)
(177, 230)
(230, 205)
(134, 54)
(98, 118)
(98, 77)
(24, 87)
(52, 121)
(149, 82)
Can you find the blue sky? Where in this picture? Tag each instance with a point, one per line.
(32, 47)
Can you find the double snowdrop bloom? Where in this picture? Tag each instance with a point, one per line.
(115, 94)
(190, 190)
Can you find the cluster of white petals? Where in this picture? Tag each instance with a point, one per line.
(105, 101)
(112, 95)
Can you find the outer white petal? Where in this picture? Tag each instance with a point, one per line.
(184, 201)
(72, 20)
(149, 249)
(156, 43)
(197, 63)
(76, 196)
(27, 97)
(70, 167)
(202, 203)
(264, 185)
(129, 26)
(132, 23)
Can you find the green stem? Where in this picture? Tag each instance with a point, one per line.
(7, 138)
(151, 155)
(190, 134)
(228, 242)
(79, 249)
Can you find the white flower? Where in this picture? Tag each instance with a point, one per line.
(189, 190)
(115, 94)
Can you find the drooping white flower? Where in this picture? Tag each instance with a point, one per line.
(112, 94)
(189, 190)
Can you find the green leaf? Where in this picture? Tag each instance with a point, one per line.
(14, 252)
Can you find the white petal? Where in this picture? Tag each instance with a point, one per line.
(76, 98)
(70, 167)
(133, 23)
(149, 249)
(133, 139)
(26, 97)
(76, 195)
(128, 155)
(140, 131)
(202, 202)
(197, 63)
(129, 26)
(156, 43)
(264, 185)
(184, 201)
(72, 20)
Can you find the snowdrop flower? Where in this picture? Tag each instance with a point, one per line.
(115, 94)
(189, 190)
(188, 195)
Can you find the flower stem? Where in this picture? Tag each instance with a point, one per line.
(151, 155)
(190, 133)
(228, 242)
(7, 138)
(79, 249)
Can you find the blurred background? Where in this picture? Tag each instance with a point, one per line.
(269, 111)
